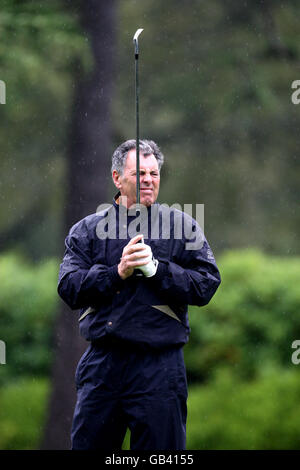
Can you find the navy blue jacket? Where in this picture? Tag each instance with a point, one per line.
(151, 312)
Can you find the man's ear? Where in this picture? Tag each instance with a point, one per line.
(116, 179)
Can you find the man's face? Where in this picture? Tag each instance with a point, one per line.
(149, 179)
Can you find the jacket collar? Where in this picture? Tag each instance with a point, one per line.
(115, 199)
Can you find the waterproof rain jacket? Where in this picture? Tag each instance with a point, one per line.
(150, 312)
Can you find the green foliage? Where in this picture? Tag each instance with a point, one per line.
(22, 413)
(215, 87)
(240, 348)
(215, 84)
(229, 414)
(226, 413)
(28, 302)
(41, 50)
(250, 324)
(126, 442)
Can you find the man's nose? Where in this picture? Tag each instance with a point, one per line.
(146, 178)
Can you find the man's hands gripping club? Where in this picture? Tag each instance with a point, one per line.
(137, 256)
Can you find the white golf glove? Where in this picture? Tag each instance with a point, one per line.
(150, 268)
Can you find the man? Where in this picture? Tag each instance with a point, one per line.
(133, 291)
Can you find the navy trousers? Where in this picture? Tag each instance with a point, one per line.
(120, 387)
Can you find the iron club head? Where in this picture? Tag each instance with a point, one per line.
(135, 40)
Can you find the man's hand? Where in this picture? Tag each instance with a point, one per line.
(150, 268)
(134, 255)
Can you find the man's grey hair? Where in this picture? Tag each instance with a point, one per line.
(147, 147)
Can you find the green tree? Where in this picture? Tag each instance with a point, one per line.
(88, 154)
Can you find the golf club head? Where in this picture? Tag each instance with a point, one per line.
(135, 40)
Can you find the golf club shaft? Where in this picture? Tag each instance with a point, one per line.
(137, 129)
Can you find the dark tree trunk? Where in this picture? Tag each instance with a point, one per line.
(87, 170)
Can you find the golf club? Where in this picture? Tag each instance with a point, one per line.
(150, 268)
(136, 55)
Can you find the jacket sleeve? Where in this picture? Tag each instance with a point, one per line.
(82, 283)
(192, 277)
